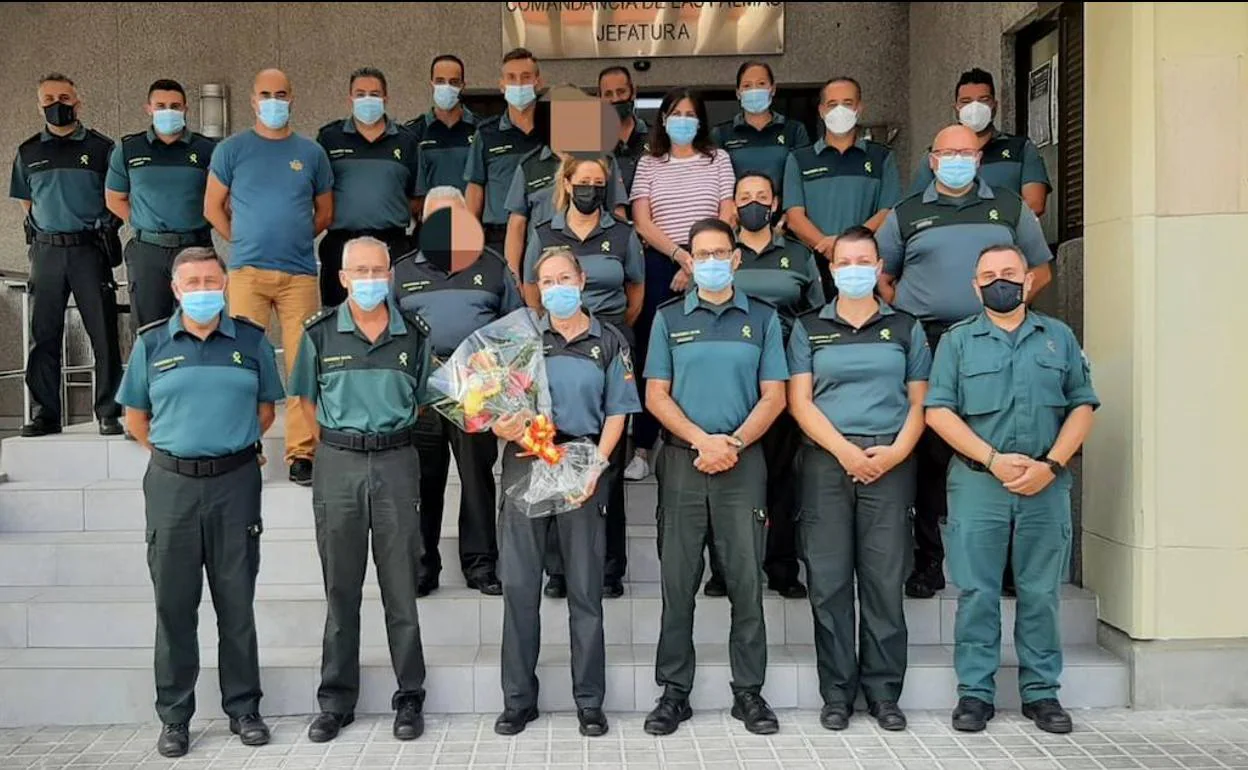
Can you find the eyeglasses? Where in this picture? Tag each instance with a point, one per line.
(963, 154)
(723, 255)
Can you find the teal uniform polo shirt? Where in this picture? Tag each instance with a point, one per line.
(1014, 393)
(611, 257)
(1008, 162)
(492, 162)
(930, 243)
(63, 178)
(766, 149)
(373, 181)
(443, 150)
(591, 377)
(860, 376)
(784, 275)
(202, 394)
(532, 191)
(716, 356)
(841, 189)
(165, 182)
(360, 386)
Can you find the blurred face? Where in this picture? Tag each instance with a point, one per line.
(615, 88)
(855, 253)
(715, 245)
(520, 72)
(166, 100)
(975, 92)
(448, 73)
(559, 271)
(755, 77)
(206, 275)
(364, 262)
(838, 94)
(52, 92)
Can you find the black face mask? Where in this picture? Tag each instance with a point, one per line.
(588, 198)
(1002, 296)
(59, 114)
(754, 216)
(623, 109)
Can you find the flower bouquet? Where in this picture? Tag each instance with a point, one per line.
(552, 488)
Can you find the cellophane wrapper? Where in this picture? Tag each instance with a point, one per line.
(498, 370)
(547, 490)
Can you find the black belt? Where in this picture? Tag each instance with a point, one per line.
(366, 442)
(563, 438)
(671, 439)
(175, 240)
(381, 235)
(204, 466)
(82, 238)
(858, 440)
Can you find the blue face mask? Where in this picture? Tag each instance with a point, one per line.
(168, 122)
(562, 301)
(713, 274)
(368, 293)
(368, 109)
(521, 97)
(681, 129)
(955, 173)
(203, 306)
(445, 96)
(854, 281)
(274, 113)
(756, 100)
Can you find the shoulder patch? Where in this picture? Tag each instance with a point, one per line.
(329, 126)
(245, 320)
(96, 134)
(321, 315)
(30, 140)
(415, 320)
(135, 135)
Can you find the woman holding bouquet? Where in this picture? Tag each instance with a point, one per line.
(592, 391)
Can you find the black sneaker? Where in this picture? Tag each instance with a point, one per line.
(250, 729)
(174, 741)
(1049, 716)
(513, 721)
(889, 715)
(835, 716)
(612, 588)
(111, 426)
(41, 427)
(488, 584)
(556, 587)
(716, 587)
(593, 722)
(758, 717)
(327, 726)
(301, 472)
(667, 716)
(409, 723)
(972, 715)
(789, 589)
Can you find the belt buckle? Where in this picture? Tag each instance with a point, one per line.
(372, 443)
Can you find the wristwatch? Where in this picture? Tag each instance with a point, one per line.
(1054, 465)
(736, 441)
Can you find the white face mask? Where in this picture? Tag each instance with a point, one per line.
(975, 116)
(841, 119)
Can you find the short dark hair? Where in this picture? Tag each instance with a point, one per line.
(165, 84)
(841, 79)
(745, 66)
(1010, 247)
(855, 234)
(752, 174)
(615, 69)
(661, 144)
(976, 77)
(369, 72)
(463, 71)
(519, 54)
(197, 254)
(55, 77)
(712, 225)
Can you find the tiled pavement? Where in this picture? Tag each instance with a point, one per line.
(711, 741)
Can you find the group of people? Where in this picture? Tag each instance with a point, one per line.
(820, 371)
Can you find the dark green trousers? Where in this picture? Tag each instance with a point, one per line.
(689, 502)
(198, 525)
(355, 494)
(848, 530)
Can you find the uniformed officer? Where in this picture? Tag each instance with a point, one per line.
(58, 175)
(592, 391)
(759, 138)
(361, 375)
(781, 272)
(615, 85)
(455, 303)
(859, 374)
(843, 180)
(1009, 162)
(446, 131)
(200, 390)
(715, 373)
(1012, 394)
(156, 181)
(376, 165)
(609, 254)
(500, 144)
(928, 244)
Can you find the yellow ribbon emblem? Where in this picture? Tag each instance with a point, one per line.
(238, 357)
(746, 332)
(403, 357)
(476, 280)
(84, 159)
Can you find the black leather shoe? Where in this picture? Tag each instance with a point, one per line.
(40, 427)
(556, 587)
(426, 586)
(758, 717)
(301, 472)
(715, 587)
(111, 426)
(1049, 716)
(327, 726)
(924, 584)
(889, 715)
(835, 716)
(250, 729)
(593, 722)
(174, 741)
(972, 715)
(513, 721)
(612, 588)
(667, 716)
(486, 584)
(409, 723)
(789, 589)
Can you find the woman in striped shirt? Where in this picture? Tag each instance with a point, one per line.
(683, 178)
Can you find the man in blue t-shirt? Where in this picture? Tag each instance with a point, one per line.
(270, 193)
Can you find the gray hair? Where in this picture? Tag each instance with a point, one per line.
(197, 254)
(363, 240)
(443, 193)
(555, 252)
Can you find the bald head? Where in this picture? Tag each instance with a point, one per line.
(954, 160)
(271, 82)
(956, 137)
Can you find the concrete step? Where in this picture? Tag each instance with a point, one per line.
(294, 615)
(117, 684)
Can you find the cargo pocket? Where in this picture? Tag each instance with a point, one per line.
(984, 387)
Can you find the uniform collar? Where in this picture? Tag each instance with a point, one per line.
(79, 134)
(777, 242)
(595, 328)
(821, 143)
(739, 300)
(776, 120)
(560, 222)
(983, 326)
(348, 126)
(183, 138)
(828, 313)
(346, 324)
(469, 117)
(226, 326)
(545, 153)
(984, 192)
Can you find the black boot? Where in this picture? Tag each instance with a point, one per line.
(513, 721)
(174, 741)
(972, 715)
(327, 726)
(593, 722)
(835, 716)
(409, 723)
(250, 729)
(667, 716)
(1049, 716)
(758, 717)
(889, 715)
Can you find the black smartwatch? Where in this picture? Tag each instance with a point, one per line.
(1054, 465)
